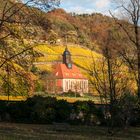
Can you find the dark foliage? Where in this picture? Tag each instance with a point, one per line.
(44, 110)
(87, 113)
(70, 94)
(63, 111)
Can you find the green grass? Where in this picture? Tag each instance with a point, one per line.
(63, 132)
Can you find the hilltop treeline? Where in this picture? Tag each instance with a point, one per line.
(84, 29)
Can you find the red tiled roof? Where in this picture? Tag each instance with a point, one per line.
(61, 71)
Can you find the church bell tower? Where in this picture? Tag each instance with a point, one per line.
(67, 58)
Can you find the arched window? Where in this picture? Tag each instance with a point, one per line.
(71, 85)
(66, 85)
(84, 84)
(81, 84)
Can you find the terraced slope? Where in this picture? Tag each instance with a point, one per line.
(81, 56)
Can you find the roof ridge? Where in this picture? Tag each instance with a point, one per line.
(64, 72)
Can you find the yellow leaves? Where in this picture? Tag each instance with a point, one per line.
(18, 67)
(58, 50)
(81, 56)
(44, 49)
(13, 98)
(73, 99)
(45, 67)
(49, 58)
(32, 76)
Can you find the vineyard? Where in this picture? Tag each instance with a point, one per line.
(81, 57)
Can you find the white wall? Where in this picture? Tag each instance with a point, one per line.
(76, 85)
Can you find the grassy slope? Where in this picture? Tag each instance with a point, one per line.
(80, 56)
(63, 132)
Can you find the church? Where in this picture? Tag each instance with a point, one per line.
(66, 77)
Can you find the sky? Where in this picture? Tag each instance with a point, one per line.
(87, 6)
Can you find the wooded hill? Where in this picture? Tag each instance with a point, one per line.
(85, 29)
(29, 28)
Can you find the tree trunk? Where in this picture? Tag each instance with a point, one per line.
(138, 56)
(138, 84)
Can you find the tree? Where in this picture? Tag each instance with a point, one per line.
(109, 76)
(131, 11)
(16, 55)
(71, 36)
(53, 36)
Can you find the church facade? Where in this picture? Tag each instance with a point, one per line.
(67, 77)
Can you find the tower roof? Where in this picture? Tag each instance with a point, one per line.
(66, 52)
(61, 71)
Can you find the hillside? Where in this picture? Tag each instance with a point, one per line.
(38, 25)
(45, 35)
(53, 54)
(87, 27)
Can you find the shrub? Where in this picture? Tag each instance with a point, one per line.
(70, 94)
(42, 109)
(18, 111)
(3, 110)
(63, 110)
(86, 113)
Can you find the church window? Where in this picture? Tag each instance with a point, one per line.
(66, 85)
(85, 84)
(71, 84)
(81, 84)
